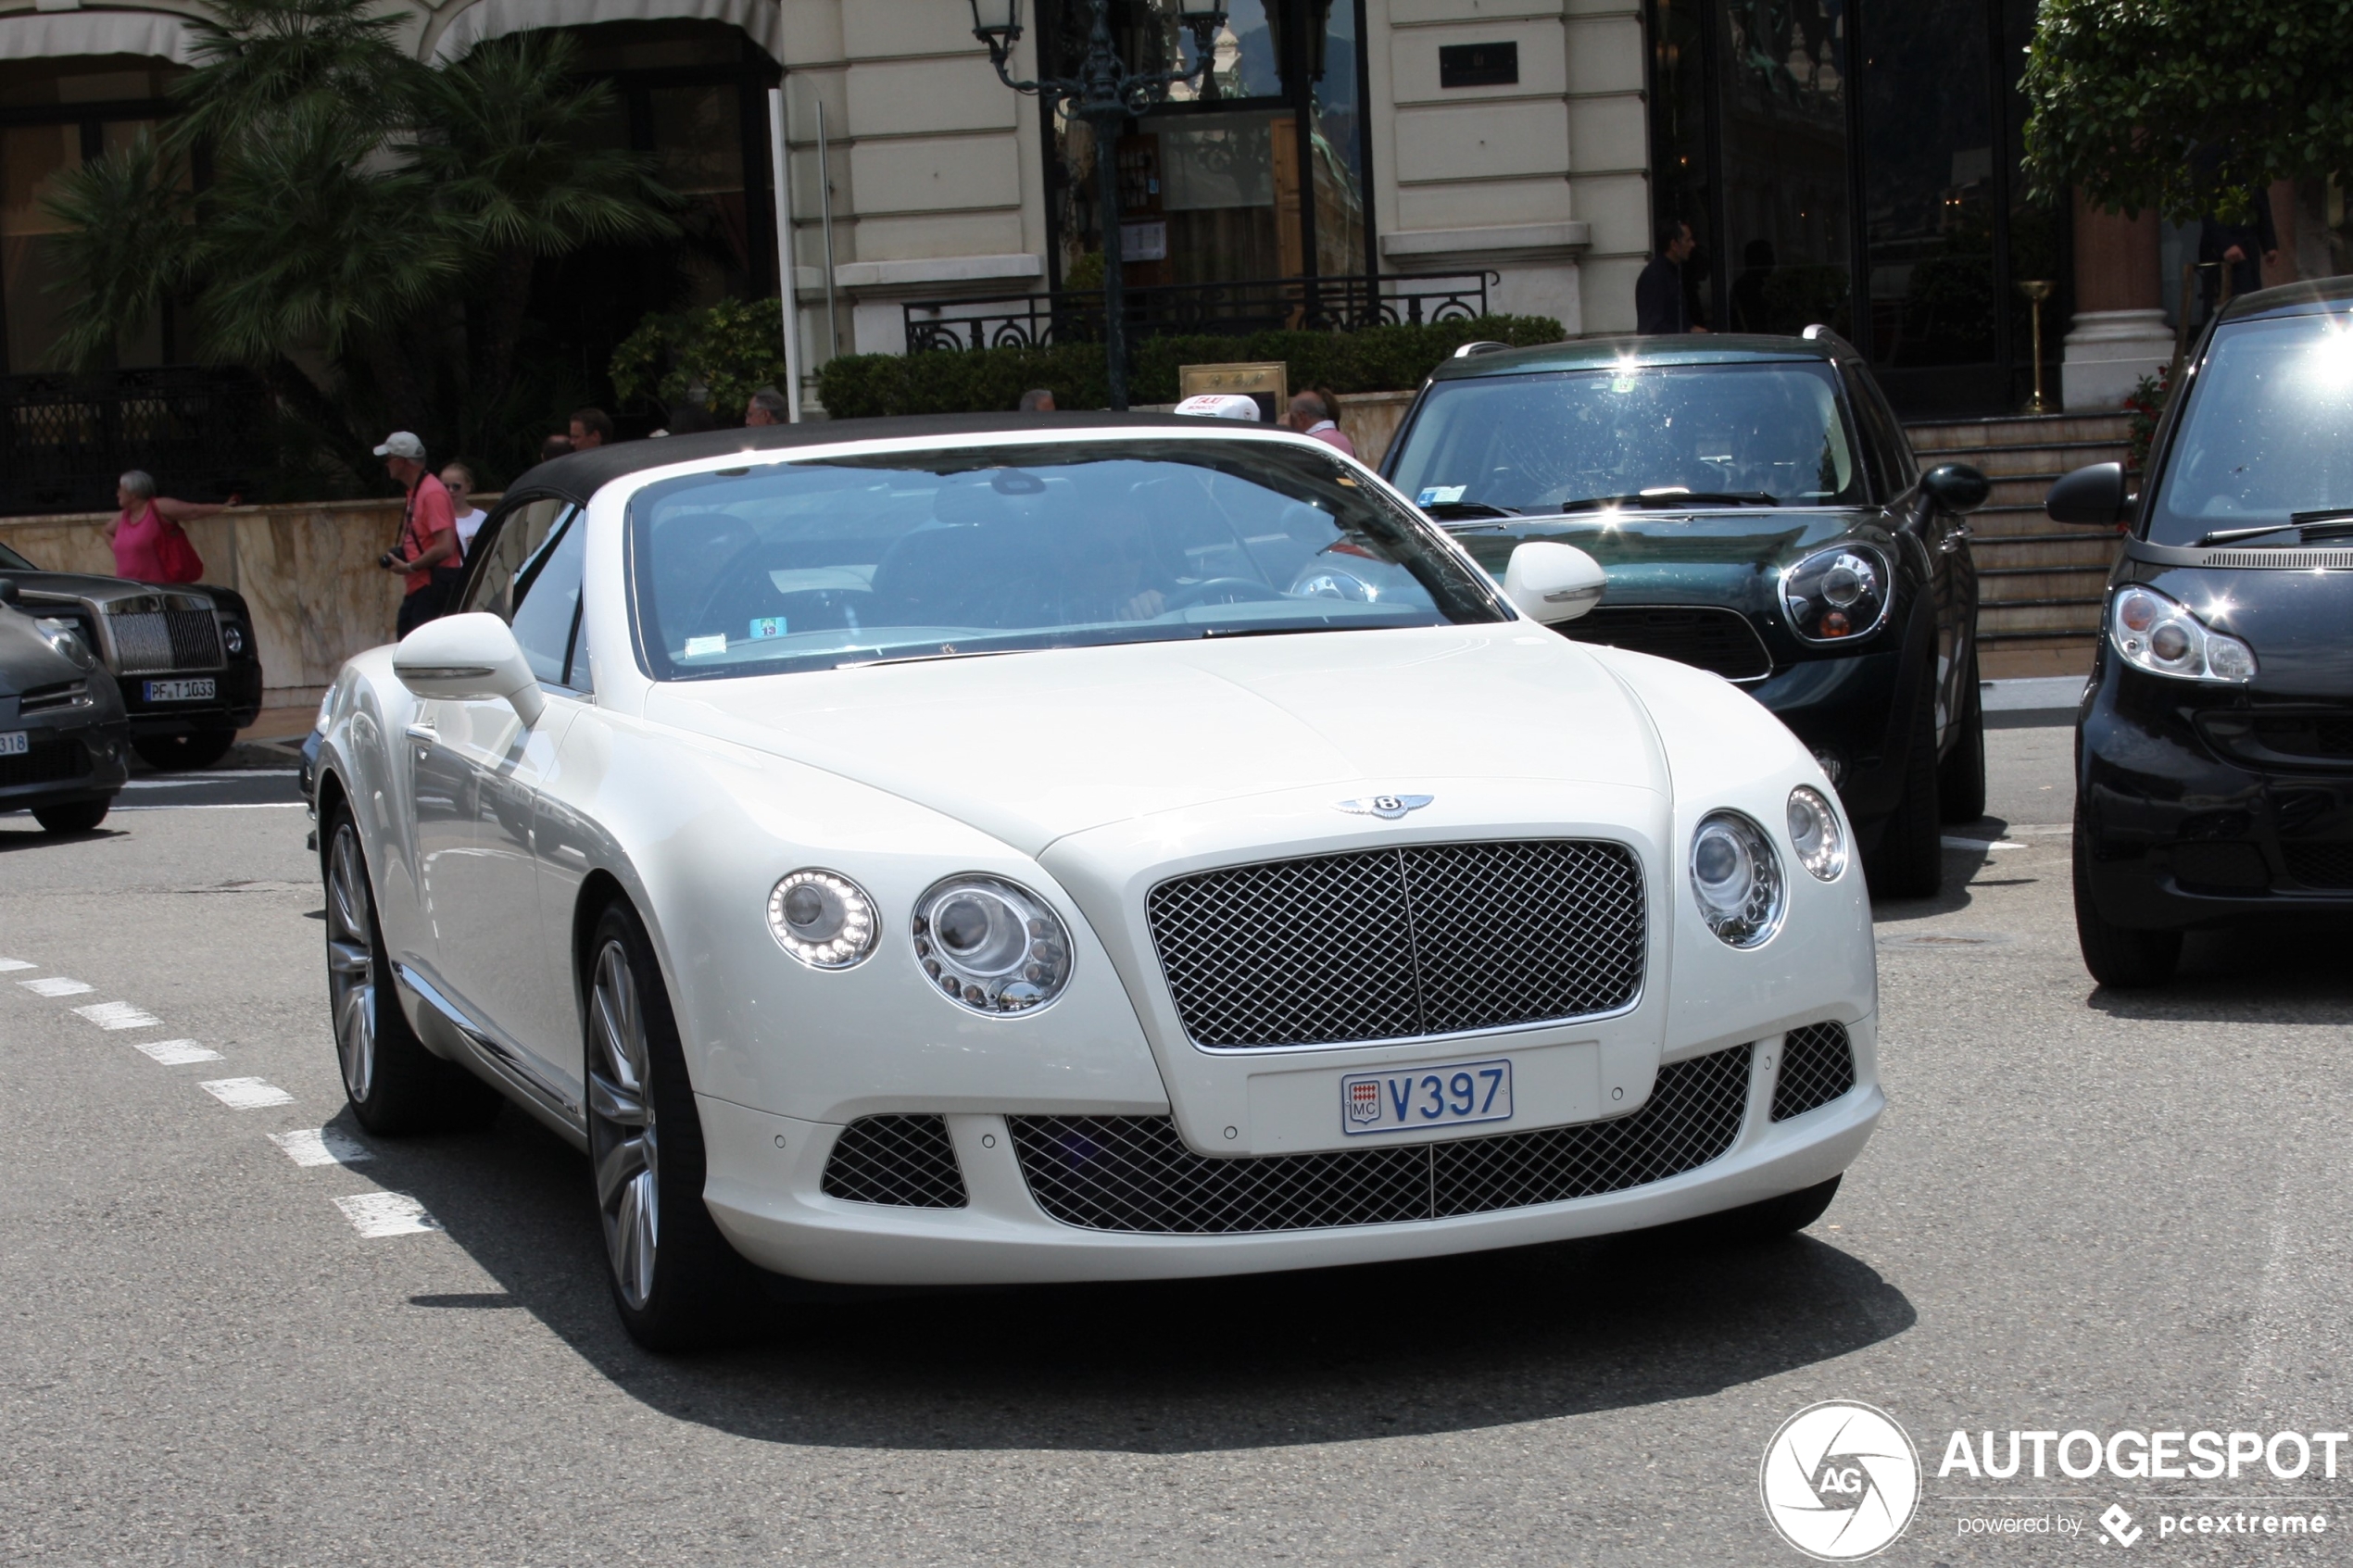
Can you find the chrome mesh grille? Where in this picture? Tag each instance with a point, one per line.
(150, 642)
(2319, 863)
(1388, 944)
(907, 1162)
(1134, 1173)
(1817, 1065)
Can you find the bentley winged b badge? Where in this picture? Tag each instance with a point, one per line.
(1389, 807)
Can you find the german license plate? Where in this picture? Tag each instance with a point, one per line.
(12, 744)
(180, 691)
(1403, 1098)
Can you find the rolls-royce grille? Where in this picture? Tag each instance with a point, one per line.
(149, 642)
(1720, 640)
(1388, 944)
(2319, 863)
(46, 761)
(1135, 1173)
(1817, 1065)
(906, 1162)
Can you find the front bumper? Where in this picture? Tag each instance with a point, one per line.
(71, 755)
(236, 703)
(766, 1175)
(1846, 710)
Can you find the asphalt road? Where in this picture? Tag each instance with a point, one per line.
(2083, 1210)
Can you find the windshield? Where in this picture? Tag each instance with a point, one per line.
(943, 554)
(14, 562)
(1770, 434)
(2267, 437)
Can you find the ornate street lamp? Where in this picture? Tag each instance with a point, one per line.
(1104, 94)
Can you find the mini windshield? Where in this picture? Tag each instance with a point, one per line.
(942, 554)
(2266, 442)
(1666, 435)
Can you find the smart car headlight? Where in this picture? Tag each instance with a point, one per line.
(1837, 594)
(990, 944)
(1815, 834)
(823, 919)
(1736, 877)
(2159, 634)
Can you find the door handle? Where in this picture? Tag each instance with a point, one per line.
(423, 732)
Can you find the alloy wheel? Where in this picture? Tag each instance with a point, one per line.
(621, 1126)
(351, 962)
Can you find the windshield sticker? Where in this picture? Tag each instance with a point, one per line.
(1439, 494)
(767, 626)
(701, 648)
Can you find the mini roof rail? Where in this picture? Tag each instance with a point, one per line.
(1484, 345)
(1820, 334)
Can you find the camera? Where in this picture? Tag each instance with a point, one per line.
(389, 559)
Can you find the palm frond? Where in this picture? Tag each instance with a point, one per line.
(127, 243)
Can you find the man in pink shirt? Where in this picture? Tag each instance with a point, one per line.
(428, 529)
(1312, 416)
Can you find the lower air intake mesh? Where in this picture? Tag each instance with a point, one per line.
(1817, 1065)
(1135, 1173)
(904, 1161)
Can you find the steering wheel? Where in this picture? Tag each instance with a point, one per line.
(1226, 590)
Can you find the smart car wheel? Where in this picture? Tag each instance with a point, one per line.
(394, 1083)
(1960, 782)
(1910, 863)
(180, 753)
(2117, 954)
(72, 816)
(676, 1281)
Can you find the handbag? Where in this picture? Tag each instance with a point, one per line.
(175, 553)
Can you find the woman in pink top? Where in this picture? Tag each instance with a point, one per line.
(146, 520)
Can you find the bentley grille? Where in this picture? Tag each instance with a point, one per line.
(150, 642)
(1817, 1065)
(1389, 944)
(1134, 1173)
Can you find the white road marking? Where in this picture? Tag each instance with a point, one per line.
(223, 806)
(1952, 843)
(321, 1146)
(176, 1053)
(9, 966)
(246, 1094)
(386, 1213)
(213, 777)
(119, 1015)
(57, 986)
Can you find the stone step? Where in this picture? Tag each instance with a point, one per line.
(2005, 462)
(2020, 431)
(2041, 617)
(2028, 655)
(2043, 552)
(2027, 586)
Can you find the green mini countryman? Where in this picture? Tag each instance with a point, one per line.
(1760, 514)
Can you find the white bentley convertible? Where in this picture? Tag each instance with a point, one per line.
(1076, 847)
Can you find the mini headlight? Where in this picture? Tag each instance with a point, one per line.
(823, 919)
(1814, 832)
(1837, 594)
(990, 944)
(1736, 877)
(65, 638)
(2159, 634)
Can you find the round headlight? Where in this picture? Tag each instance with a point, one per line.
(1837, 594)
(232, 637)
(990, 944)
(1736, 877)
(1814, 832)
(823, 919)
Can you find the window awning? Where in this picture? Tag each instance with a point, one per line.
(40, 35)
(761, 20)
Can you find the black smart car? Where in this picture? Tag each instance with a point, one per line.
(1760, 514)
(2214, 752)
(64, 748)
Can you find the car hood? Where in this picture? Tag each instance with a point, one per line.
(2294, 621)
(1662, 545)
(1031, 748)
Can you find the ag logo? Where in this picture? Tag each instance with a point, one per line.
(1389, 807)
(1840, 1480)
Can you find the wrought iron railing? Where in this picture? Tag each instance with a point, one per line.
(1225, 310)
(63, 439)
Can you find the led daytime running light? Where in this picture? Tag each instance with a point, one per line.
(823, 919)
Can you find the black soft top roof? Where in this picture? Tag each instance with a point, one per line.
(581, 474)
(2308, 297)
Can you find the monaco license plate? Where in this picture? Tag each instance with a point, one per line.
(13, 744)
(1401, 1100)
(180, 691)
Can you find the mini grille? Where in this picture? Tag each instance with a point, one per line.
(1817, 1065)
(45, 761)
(150, 642)
(1135, 1173)
(904, 1161)
(1386, 944)
(2319, 864)
(1720, 640)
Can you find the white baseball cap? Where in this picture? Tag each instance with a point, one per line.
(1221, 406)
(402, 443)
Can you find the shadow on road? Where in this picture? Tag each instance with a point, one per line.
(1266, 1360)
(20, 832)
(2286, 971)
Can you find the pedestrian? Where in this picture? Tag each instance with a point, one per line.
(458, 479)
(768, 406)
(1660, 304)
(428, 531)
(149, 544)
(1315, 413)
(591, 428)
(2235, 248)
(1038, 400)
(555, 446)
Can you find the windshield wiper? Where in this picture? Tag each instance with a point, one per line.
(928, 657)
(2309, 526)
(1667, 500)
(1448, 511)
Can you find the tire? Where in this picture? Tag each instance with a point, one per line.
(173, 754)
(2118, 956)
(395, 1085)
(1771, 1220)
(1909, 861)
(1960, 780)
(676, 1281)
(72, 816)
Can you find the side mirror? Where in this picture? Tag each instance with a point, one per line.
(469, 658)
(8, 593)
(1552, 582)
(2092, 495)
(1956, 486)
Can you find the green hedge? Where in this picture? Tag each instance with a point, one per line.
(980, 381)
